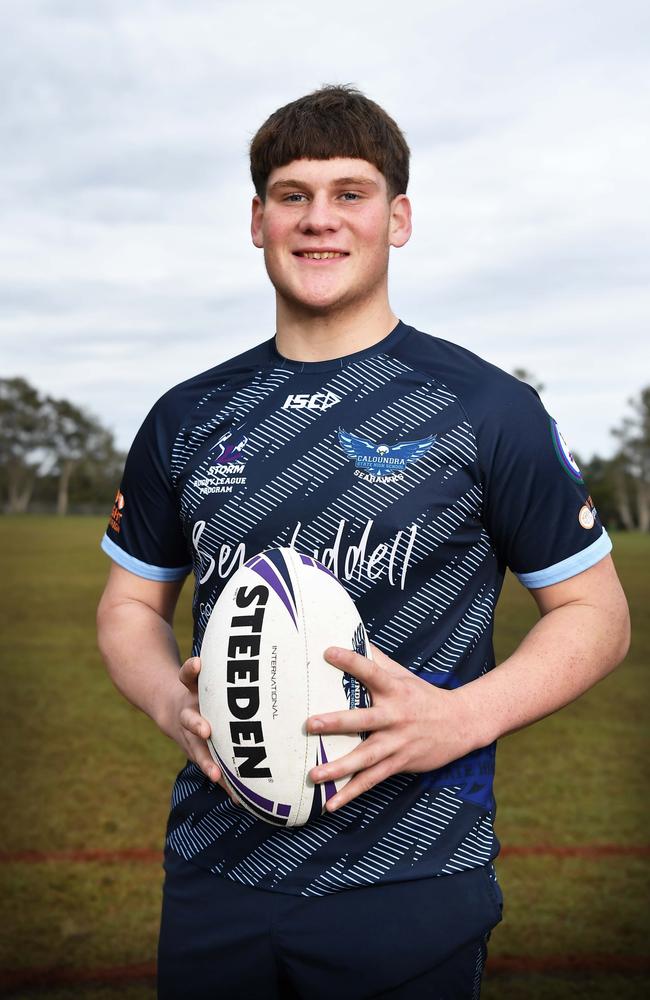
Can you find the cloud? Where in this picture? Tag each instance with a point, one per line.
(125, 253)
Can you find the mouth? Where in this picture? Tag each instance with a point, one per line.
(320, 254)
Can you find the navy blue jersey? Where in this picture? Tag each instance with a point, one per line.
(417, 472)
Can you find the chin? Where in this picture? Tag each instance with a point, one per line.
(315, 302)
(319, 305)
(319, 302)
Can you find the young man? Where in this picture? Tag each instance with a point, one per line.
(418, 473)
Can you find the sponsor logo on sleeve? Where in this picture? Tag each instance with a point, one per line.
(382, 462)
(587, 514)
(115, 522)
(565, 458)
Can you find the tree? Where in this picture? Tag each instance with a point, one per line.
(22, 441)
(599, 475)
(631, 465)
(45, 443)
(95, 480)
(74, 436)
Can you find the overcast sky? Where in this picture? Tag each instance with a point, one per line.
(125, 249)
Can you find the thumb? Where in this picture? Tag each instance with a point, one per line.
(189, 672)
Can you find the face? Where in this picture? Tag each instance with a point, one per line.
(326, 228)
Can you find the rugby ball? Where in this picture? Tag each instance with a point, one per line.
(263, 674)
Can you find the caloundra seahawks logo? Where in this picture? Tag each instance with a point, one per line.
(382, 462)
(355, 692)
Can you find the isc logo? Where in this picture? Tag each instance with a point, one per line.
(319, 401)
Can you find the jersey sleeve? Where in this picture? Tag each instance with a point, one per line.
(538, 510)
(144, 533)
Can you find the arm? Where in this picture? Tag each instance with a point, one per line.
(582, 635)
(137, 642)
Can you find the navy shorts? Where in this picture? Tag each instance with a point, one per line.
(404, 940)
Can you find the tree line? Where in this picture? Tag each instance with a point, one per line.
(619, 486)
(55, 456)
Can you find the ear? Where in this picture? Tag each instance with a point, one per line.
(257, 215)
(400, 227)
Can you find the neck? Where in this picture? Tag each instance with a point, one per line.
(304, 336)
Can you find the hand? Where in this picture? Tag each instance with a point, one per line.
(192, 730)
(413, 725)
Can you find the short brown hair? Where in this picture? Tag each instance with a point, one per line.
(337, 120)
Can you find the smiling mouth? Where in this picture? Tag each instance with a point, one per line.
(320, 255)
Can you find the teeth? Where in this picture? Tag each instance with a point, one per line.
(322, 256)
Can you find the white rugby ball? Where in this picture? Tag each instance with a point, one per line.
(263, 673)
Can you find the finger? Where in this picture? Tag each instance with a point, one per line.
(228, 790)
(369, 673)
(362, 758)
(189, 672)
(385, 662)
(363, 782)
(354, 720)
(191, 720)
(198, 751)
(210, 768)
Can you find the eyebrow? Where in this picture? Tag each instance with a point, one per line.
(338, 182)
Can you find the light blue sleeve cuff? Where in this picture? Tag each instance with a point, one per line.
(161, 574)
(568, 567)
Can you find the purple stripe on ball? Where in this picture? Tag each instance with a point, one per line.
(266, 804)
(317, 565)
(276, 557)
(269, 575)
(330, 786)
(317, 798)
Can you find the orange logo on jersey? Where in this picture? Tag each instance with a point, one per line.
(116, 513)
(587, 514)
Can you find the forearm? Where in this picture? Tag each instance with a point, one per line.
(136, 639)
(568, 651)
(142, 658)
(415, 726)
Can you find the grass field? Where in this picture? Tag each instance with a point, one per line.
(84, 772)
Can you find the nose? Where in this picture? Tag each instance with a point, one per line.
(320, 215)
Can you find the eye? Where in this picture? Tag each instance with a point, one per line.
(294, 198)
(351, 196)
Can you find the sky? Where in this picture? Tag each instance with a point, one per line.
(125, 253)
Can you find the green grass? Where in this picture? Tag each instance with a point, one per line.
(597, 784)
(552, 987)
(86, 914)
(90, 992)
(533, 986)
(82, 769)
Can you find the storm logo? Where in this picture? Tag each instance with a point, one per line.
(227, 451)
